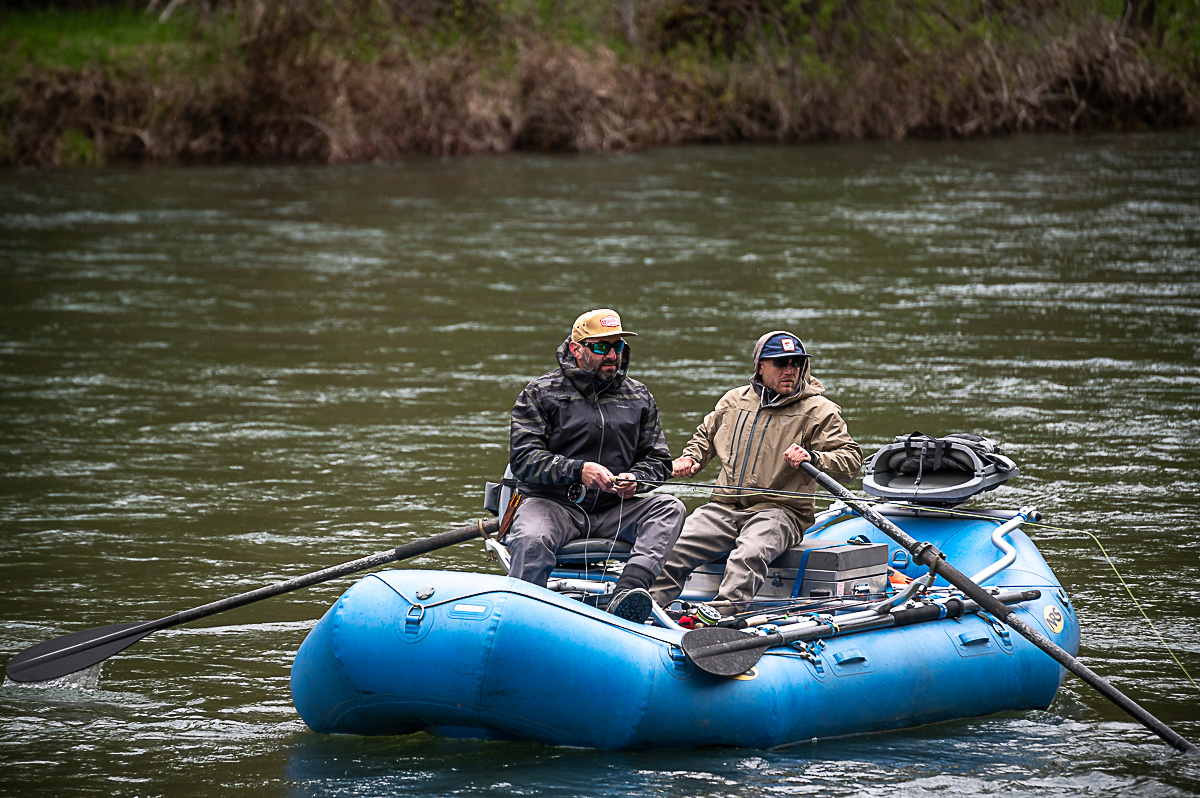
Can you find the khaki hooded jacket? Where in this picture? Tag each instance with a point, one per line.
(751, 427)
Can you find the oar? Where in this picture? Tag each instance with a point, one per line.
(925, 554)
(79, 650)
(724, 651)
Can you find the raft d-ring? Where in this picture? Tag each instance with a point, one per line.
(411, 622)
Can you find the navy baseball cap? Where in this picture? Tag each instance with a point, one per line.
(783, 345)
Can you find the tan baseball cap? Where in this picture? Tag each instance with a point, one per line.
(600, 323)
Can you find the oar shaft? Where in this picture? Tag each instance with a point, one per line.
(864, 621)
(413, 549)
(927, 555)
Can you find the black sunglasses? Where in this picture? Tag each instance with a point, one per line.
(786, 362)
(602, 347)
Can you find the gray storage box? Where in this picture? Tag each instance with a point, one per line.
(845, 570)
(832, 569)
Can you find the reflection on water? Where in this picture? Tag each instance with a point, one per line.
(215, 379)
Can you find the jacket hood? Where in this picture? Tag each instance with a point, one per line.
(807, 386)
(585, 381)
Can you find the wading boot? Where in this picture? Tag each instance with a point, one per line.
(631, 600)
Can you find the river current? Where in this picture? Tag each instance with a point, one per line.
(212, 379)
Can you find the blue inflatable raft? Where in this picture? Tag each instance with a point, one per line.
(484, 656)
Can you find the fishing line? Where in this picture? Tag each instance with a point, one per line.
(1136, 603)
(617, 534)
(1107, 558)
(824, 497)
(957, 514)
(621, 499)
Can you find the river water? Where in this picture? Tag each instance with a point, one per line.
(218, 378)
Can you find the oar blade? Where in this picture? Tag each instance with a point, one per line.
(58, 657)
(75, 652)
(709, 650)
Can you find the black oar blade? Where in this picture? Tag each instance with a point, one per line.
(74, 652)
(722, 651)
(56, 658)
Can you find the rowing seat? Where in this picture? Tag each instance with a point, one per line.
(593, 550)
(584, 551)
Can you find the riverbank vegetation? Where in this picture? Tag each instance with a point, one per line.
(97, 81)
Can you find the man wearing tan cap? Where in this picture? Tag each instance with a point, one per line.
(582, 437)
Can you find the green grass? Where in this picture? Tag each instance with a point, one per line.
(76, 149)
(736, 55)
(121, 40)
(1178, 22)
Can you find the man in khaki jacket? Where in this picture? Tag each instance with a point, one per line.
(761, 433)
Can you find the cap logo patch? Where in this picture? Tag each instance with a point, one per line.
(788, 345)
(610, 321)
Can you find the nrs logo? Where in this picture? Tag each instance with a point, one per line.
(1054, 618)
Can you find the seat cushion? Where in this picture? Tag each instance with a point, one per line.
(593, 550)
